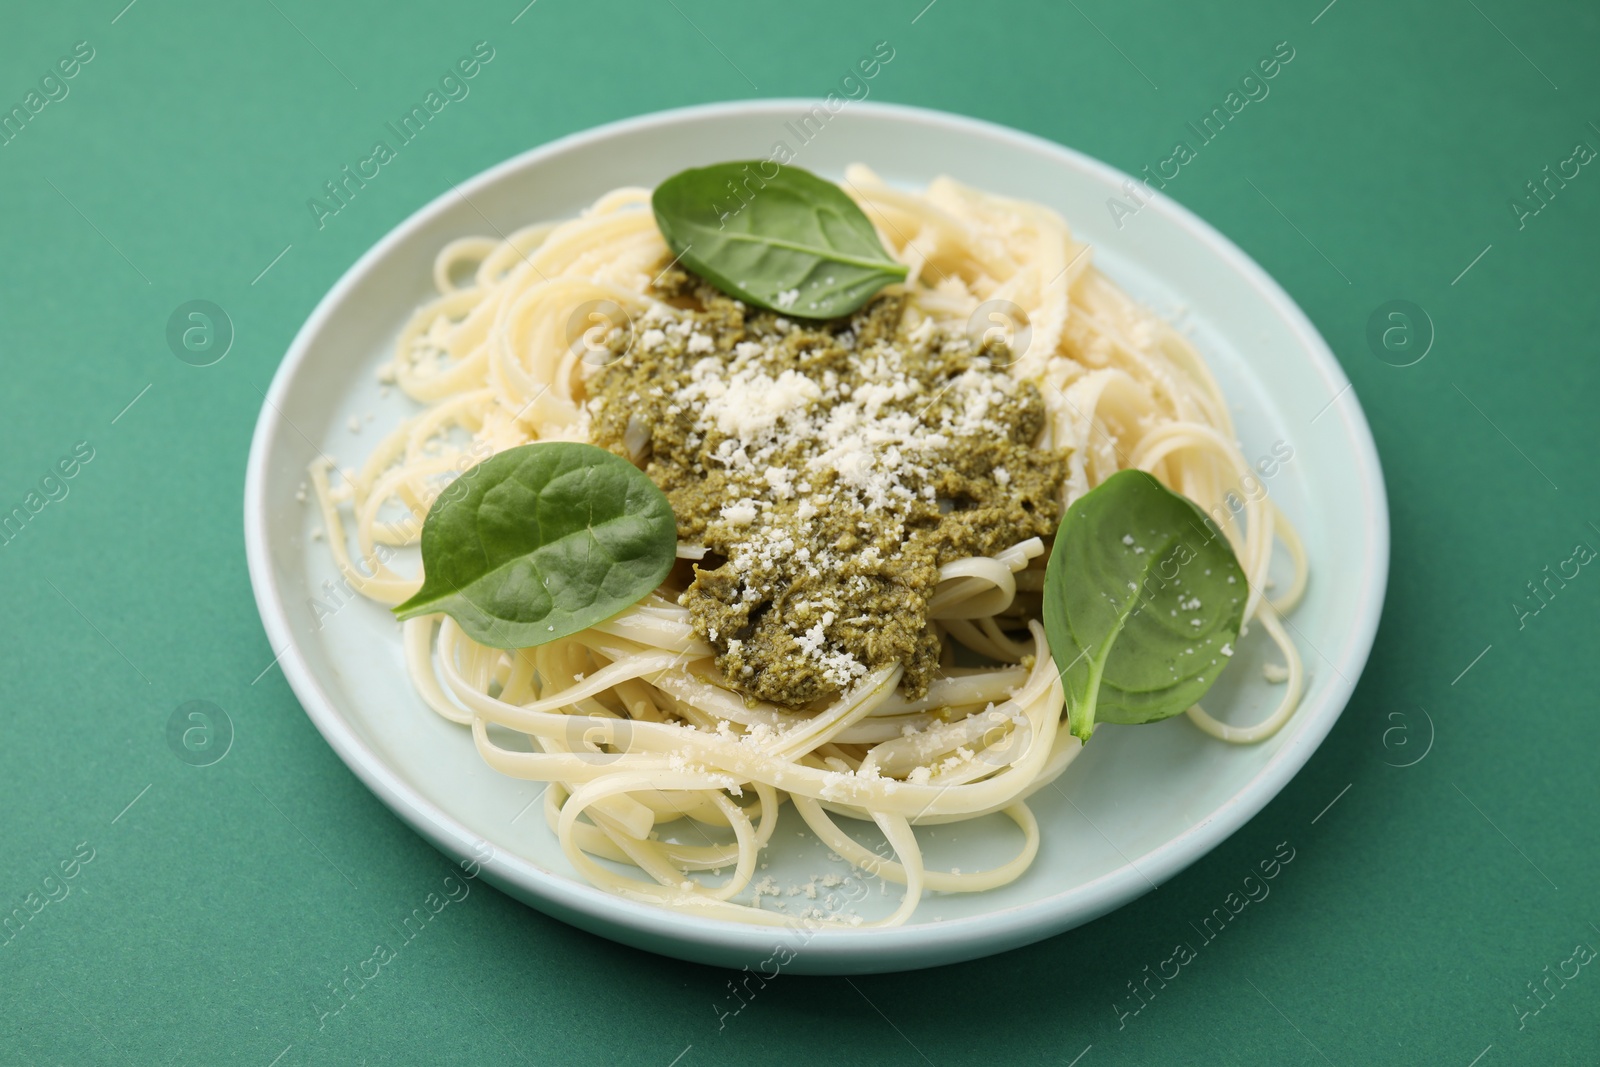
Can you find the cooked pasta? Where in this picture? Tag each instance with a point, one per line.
(642, 740)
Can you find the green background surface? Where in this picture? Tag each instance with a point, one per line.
(221, 904)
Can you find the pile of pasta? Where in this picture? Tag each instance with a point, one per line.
(665, 785)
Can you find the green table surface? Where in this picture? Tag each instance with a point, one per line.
(1437, 913)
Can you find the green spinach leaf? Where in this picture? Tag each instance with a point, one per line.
(792, 242)
(541, 541)
(1143, 600)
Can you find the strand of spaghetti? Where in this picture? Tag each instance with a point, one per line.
(606, 678)
(382, 589)
(1014, 652)
(986, 587)
(651, 629)
(901, 756)
(1064, 748)
(452, 325)
(894, 210)
(497, 266)
(968, 634)
(857, 704)
(462, 250)
(1297, 556)
(956, 690)
(829, 833)
(398, 482)
(401, 445)
(1294, 685)
(417, 638)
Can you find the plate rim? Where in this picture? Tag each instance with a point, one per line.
(895, 948)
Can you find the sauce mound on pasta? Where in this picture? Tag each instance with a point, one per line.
(829, 469)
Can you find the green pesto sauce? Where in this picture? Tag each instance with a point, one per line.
(820, 564)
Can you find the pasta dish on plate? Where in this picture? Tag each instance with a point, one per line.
(755, 489)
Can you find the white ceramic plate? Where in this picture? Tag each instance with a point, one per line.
(1140, 804)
